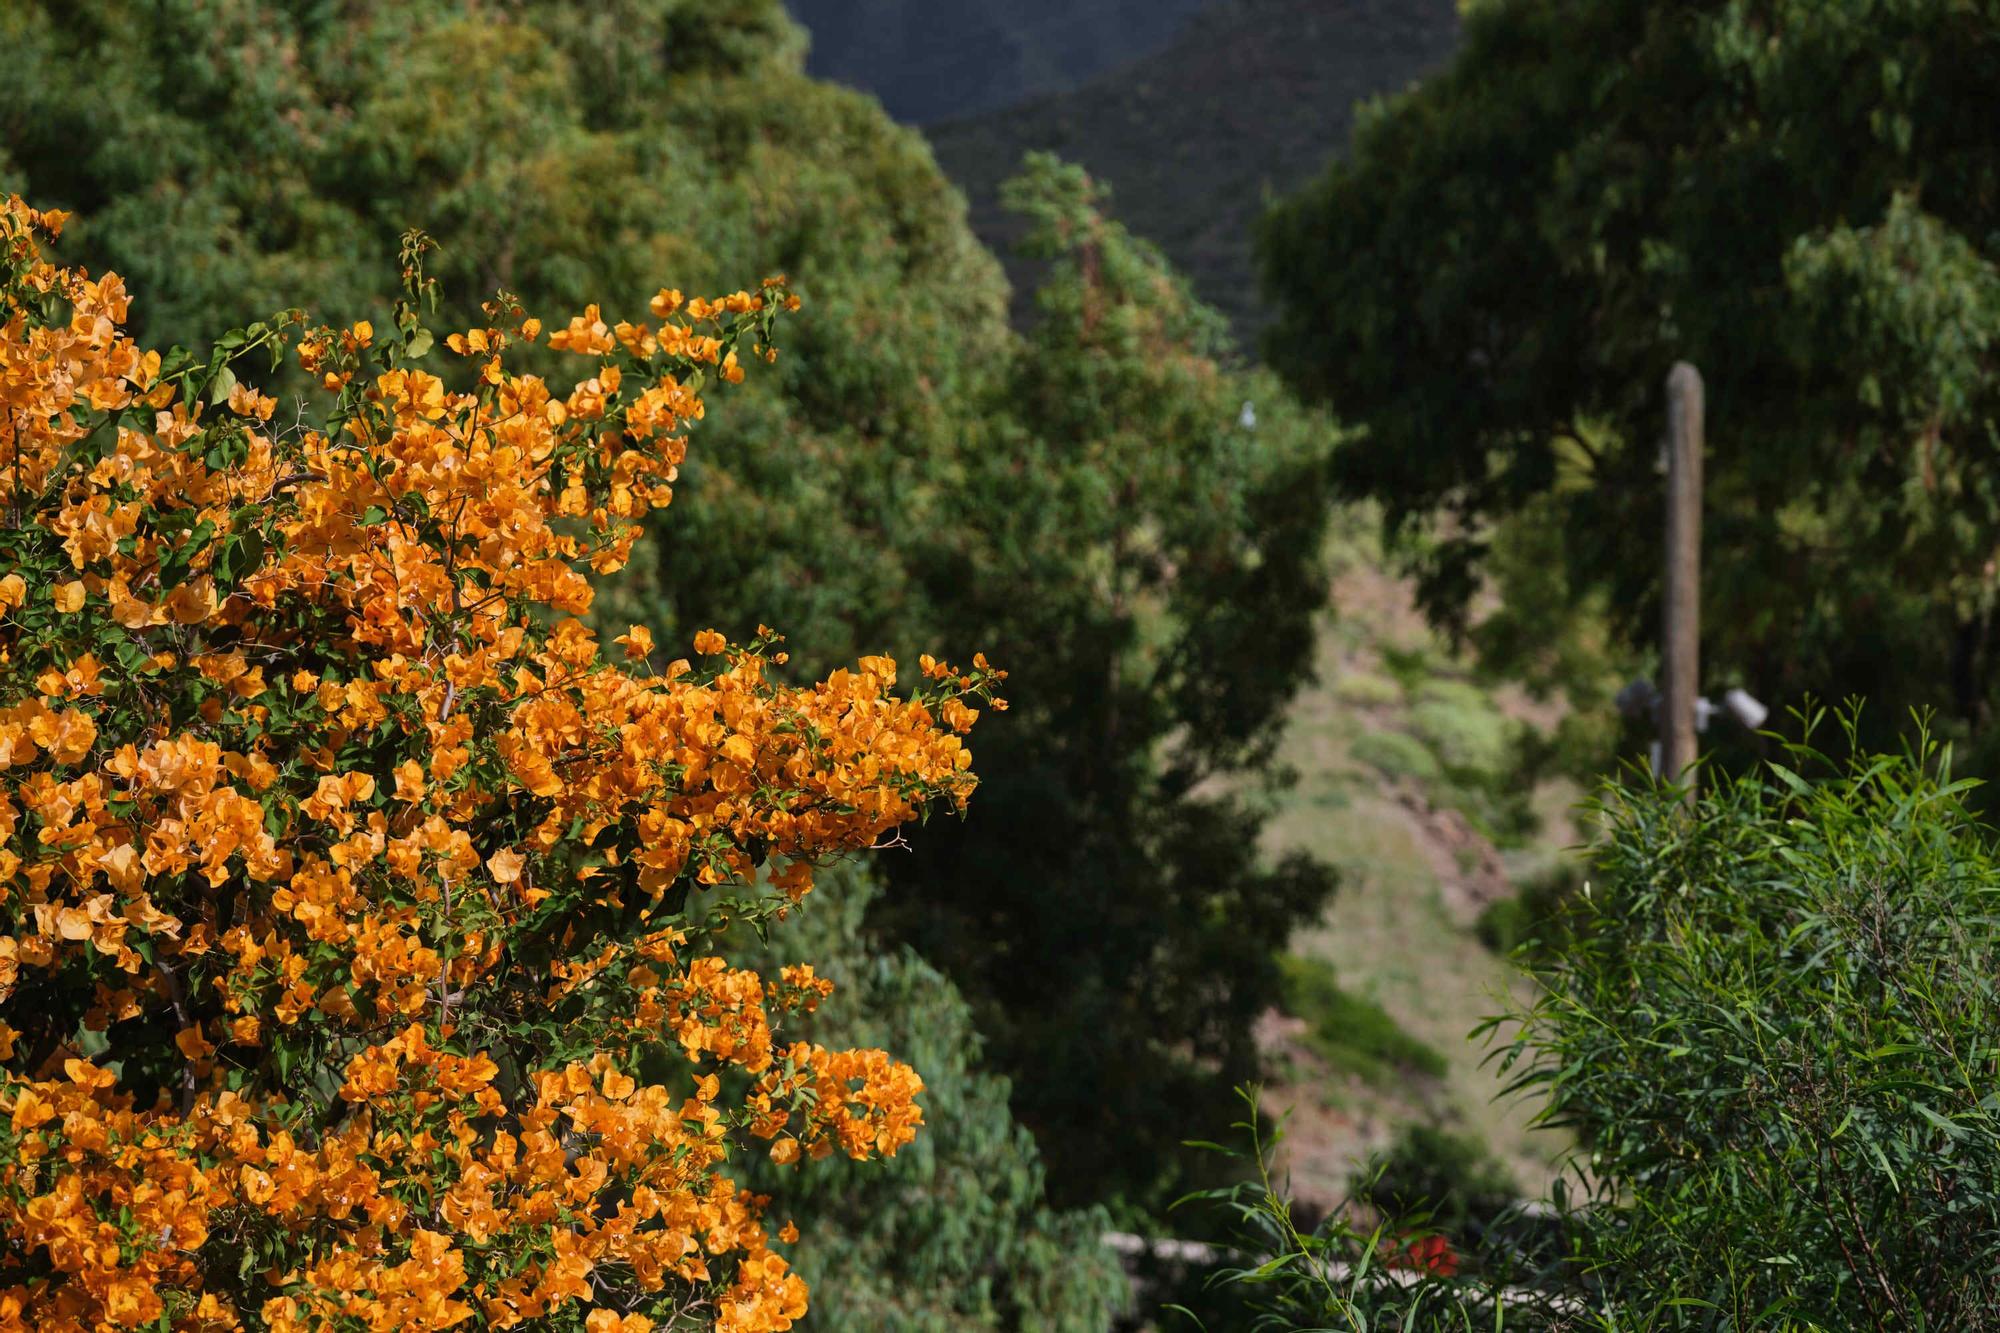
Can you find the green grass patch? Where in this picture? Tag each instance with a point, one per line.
(1466, 730)
(1397, 754)
(1353, 1034)
(1359, 689)
(1412, 666)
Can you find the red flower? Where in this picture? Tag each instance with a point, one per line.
(1428, 1254)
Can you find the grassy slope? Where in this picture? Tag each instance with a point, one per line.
(1249, 99)
(1403, 820)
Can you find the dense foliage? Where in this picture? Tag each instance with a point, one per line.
(348, 975)
(1769, 1023)
(252, 156)
(953, 1234)
(910, 472)
(1388, 1260)
(1791, 194)
(1771, 1026)
(1150, 566)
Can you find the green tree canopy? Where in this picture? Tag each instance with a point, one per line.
(1147, 566)
(1080, 503)
(1799, 196)
(250, 152)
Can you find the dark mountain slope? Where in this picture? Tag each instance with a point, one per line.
(927, 60)
(1250, 98)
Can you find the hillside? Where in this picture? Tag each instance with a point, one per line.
(928, 62)
(1248, 99)
(1409, 785)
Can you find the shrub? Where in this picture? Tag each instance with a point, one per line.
(1772, 1024)
(1459, 721)
(1351, 1033)
(348, 977)
(1359, 689)
(1397, 754)
(1532, 920)
(1394, 1272)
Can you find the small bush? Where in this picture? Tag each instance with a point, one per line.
(1460, 750)
(1361, 690)
(1398, 1273)
(1448, 1178)
(1505, 924)
(1462, 726)
(1397, 754)
(1352, 1034)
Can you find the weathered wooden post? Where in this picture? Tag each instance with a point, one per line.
(1680, 621)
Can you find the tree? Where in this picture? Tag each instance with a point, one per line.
(1094, 511)
(1099, 516)
(1497, 278)
(284, 147)
(1152, 567)
(359, 968)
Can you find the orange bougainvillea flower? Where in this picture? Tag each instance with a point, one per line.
(348, 978)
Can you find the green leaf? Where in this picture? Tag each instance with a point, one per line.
(1945, 1123)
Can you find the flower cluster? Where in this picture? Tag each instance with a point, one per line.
(357, 962)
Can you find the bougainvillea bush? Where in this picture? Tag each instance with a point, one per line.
(357, 969)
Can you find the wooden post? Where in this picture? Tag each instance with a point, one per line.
(1680, 621)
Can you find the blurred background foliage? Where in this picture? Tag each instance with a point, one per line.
(953, 1232)
(1495, 280)
(1080, 502)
